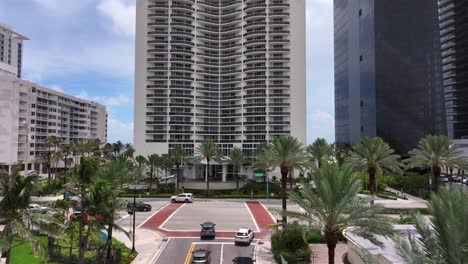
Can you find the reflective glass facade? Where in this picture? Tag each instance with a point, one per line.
(454, 40)
(387, 71)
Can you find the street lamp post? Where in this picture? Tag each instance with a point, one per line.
(134, 212)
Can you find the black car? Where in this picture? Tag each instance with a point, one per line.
(243, 260)
(201, 256)
(207, 230)
(139, 206)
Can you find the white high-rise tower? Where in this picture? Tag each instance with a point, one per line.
(228, 70)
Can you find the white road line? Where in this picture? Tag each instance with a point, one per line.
(255, 252)
(272, 217)
(158, 254)
(146, 220)
(122, 218)
(221, 257)
(253, 218)
(173, 213)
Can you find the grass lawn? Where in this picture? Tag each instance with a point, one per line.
(22, 252)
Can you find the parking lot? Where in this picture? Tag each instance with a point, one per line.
(179, 250)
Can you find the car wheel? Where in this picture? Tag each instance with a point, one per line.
(186, 200)
(173, 201)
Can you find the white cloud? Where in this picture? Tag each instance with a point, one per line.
(62, 8)
(105, 100)
(118, 130)
(56, 87)
(121, 13)
(114, 59)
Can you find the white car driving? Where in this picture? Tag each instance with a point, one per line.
(244, 236)
(37, 208)
(183, 197)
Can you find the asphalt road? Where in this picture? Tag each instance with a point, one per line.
(125, 219)
(223, 251)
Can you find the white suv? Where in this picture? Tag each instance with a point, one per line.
(244, 236)
(183, 197)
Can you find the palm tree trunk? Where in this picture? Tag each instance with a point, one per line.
(331, 253)
(290, 179)
(284, 179)
(109, 243)
(436, 172)
(177, 178)
(207, 175)
(80, 230)
(151, 177)
(49, 176)
(8, 252)
(372, 182)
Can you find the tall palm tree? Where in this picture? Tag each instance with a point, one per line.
(117, 148)
(140, 165)
(287, 153)
(178, 156)
(236, 158)
(341, 151)
(167, 163)
(153, 162)
(334, 205)
(114, 174)
(434, 152)
(374, 156)
(46, 157)
(16, 192)
(129, 151)
(445, 239)
(207, 150)
(320, 151)
(84, 176)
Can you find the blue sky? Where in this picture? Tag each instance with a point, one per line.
(86, 48)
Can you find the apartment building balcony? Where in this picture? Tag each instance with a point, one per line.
(158, 6)
(182, 7)
(279, 104)
(255, 114)
(180, 131)
(279, 14)
(177, 95)
(181, 104)
(153, 68)
(162, 122)
(259, 95)
(276, 50)
(182, 51)
(165, 59)
(182, 42)
(254, 104)
(157, 32)
(279, 122)
(182, 25)
(183, 16)
(181, 114)
(284, 77)
(157, 77)
(157, 24)
(158, 113)
(158, 104)
(158, 15)
(279, 113)
(226, 21)
(255, 6)
(278, 5)
(157, 41)
(155, 95)
(182, 33)
(252, 51)
(162, 131)
(255, 32)
(278, 58)
(255, 15)
(255, 59)
(189, 123)
(273, 40)
(256, 77)
(230, 106)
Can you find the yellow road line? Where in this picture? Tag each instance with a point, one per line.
(189, 254)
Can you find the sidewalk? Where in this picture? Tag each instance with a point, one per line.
(412, 202)
(263, 253)
(148, 243)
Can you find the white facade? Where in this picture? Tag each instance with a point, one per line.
(11, 50)
(229, 70)
(29, 113)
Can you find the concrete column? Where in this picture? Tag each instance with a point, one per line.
(224, 172)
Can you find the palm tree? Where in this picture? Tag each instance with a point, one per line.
(287, 153)
(320, 151)
(445, 239)
(178, 156)
(374, 156)
(107, 151)
(236, 158)
(207, 150)
(166, 164)
(84, 175)
(140, 165)
(117, 148)
(129, 151)
(153, 162)
(114, 174)
(341, 151)
(16, 192)
(334, 205)
(434, 152)
(47, 158)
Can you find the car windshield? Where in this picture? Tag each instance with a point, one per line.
(207, 228)
(198, 258)
(241, 234)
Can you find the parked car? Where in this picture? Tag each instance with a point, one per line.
(243, 260)
(139, 206)
(244, 236)
(183, 197)
(37, 208)
(77, 214)
(201, 256)
(207, 230)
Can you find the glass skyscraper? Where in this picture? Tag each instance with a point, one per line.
(388, 79)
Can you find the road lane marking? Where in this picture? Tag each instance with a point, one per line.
(189, 254)
(169, 217)
(159, 252)
(271, 215)
(253, 218)
(146, 220)
(221, 257)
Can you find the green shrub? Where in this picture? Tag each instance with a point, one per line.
(411, 182)
(291, 245)
(314, 236)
